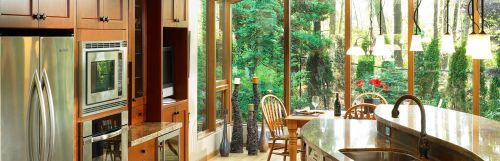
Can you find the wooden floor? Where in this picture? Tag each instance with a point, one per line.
(244, 157)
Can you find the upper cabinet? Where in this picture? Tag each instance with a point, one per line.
(102, 14)
(36, 13)
(175, 13)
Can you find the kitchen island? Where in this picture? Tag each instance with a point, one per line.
(452, 135)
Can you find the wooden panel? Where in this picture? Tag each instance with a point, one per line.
(143, 152)
(137, 115)
(154, 32)
(168, 114)
(101, 35)
(181, 13)
(168, 13)
(18, 13)
(286, 53)
(89, 13)
(476, 66)
(116, 11)
(347, 58)
(60, 13)
(411, 55)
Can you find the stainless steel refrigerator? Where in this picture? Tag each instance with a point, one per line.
(37, 98)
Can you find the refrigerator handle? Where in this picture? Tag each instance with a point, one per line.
(36, 85)
(51, 141)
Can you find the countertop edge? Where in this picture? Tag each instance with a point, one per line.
(165, 129)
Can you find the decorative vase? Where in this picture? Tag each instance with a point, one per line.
(224, 147)
(263, 145)
(252, 136)
(374, 101)
(237, 135)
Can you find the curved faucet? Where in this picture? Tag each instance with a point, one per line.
(423, 144)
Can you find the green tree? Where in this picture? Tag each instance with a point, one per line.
(366, 67)
(456, 91)
(427, 72)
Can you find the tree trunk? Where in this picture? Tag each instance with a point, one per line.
(341, 15)
(455, 18)
(398, 57)
(333, 22)
(435, 20)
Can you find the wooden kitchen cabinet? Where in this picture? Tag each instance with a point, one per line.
(143, 152)
(37, 14)
(102, 14)
(175, 13)
(178, 112)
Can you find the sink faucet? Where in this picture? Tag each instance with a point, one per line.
(423, 143)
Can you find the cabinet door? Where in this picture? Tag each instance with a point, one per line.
(182, 116)
(89, 13)
(143, 152)
(181, 13)
(168, 114)
(137, 114)
(18, 13)
(59, 13)
(117, 12)
(168, 13)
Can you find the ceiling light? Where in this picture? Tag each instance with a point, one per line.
(483, 47)
(416, 43)
(380, 48)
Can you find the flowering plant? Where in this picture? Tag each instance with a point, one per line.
(374, 85)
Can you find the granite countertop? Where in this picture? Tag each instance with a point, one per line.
(475, 134)
(331, 136)
(141, 133)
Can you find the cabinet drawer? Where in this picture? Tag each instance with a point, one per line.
(143, 152)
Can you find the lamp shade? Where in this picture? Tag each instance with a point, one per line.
(483, 47)
(416, 43)
(473, 44)
(447, 45)
(380, 49)
(355, 51)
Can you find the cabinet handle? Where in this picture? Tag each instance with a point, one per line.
(107, 19)
(102, 18)
(133, 99)
(44, 16)
(36, 16)
(143, 151)
(140, 114)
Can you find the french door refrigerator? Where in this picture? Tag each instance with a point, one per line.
(37, 98)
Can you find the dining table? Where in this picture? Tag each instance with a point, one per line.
(294, 122)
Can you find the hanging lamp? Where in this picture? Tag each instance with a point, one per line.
(483, 42)
(355, 50)
(380, 48)
(416, 39)
(447, 45)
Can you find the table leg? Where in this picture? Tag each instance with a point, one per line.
(292, 146)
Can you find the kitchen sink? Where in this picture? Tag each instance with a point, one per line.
(378, 155)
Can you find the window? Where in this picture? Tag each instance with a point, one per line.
(317, 52)
(390, 69)
(258, 49)
(202, 115)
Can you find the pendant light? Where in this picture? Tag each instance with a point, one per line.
(416, 39)
(355, 50)
(473, 38)
(447, 45)
(380, 48)
(483, 48)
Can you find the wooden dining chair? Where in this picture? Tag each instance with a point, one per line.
(274, 113)
(362, 111)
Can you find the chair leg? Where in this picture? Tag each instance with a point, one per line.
(271, 151)
(286, 149)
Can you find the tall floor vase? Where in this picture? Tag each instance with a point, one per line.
(237, 134)
(224, 146)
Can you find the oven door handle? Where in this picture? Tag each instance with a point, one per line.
(106, 136)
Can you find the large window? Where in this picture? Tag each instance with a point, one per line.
(202, 112)
(317, 52)
(385, 75)
(258, 49)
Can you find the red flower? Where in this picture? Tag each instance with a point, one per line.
(360, 83)
(376, 82)
(386, 87)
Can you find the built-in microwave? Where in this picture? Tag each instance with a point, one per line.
(103, 76)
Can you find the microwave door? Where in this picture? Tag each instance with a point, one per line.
(102, 76)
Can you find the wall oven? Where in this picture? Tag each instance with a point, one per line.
(103, 76)
(106, 139)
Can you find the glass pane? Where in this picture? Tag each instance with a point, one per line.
(202, 110)
(384, 75)
(317, 51)
(219, 108)
(490, 73)
(219, 39)
(257, 49)
(441, 79)
(139, 88)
